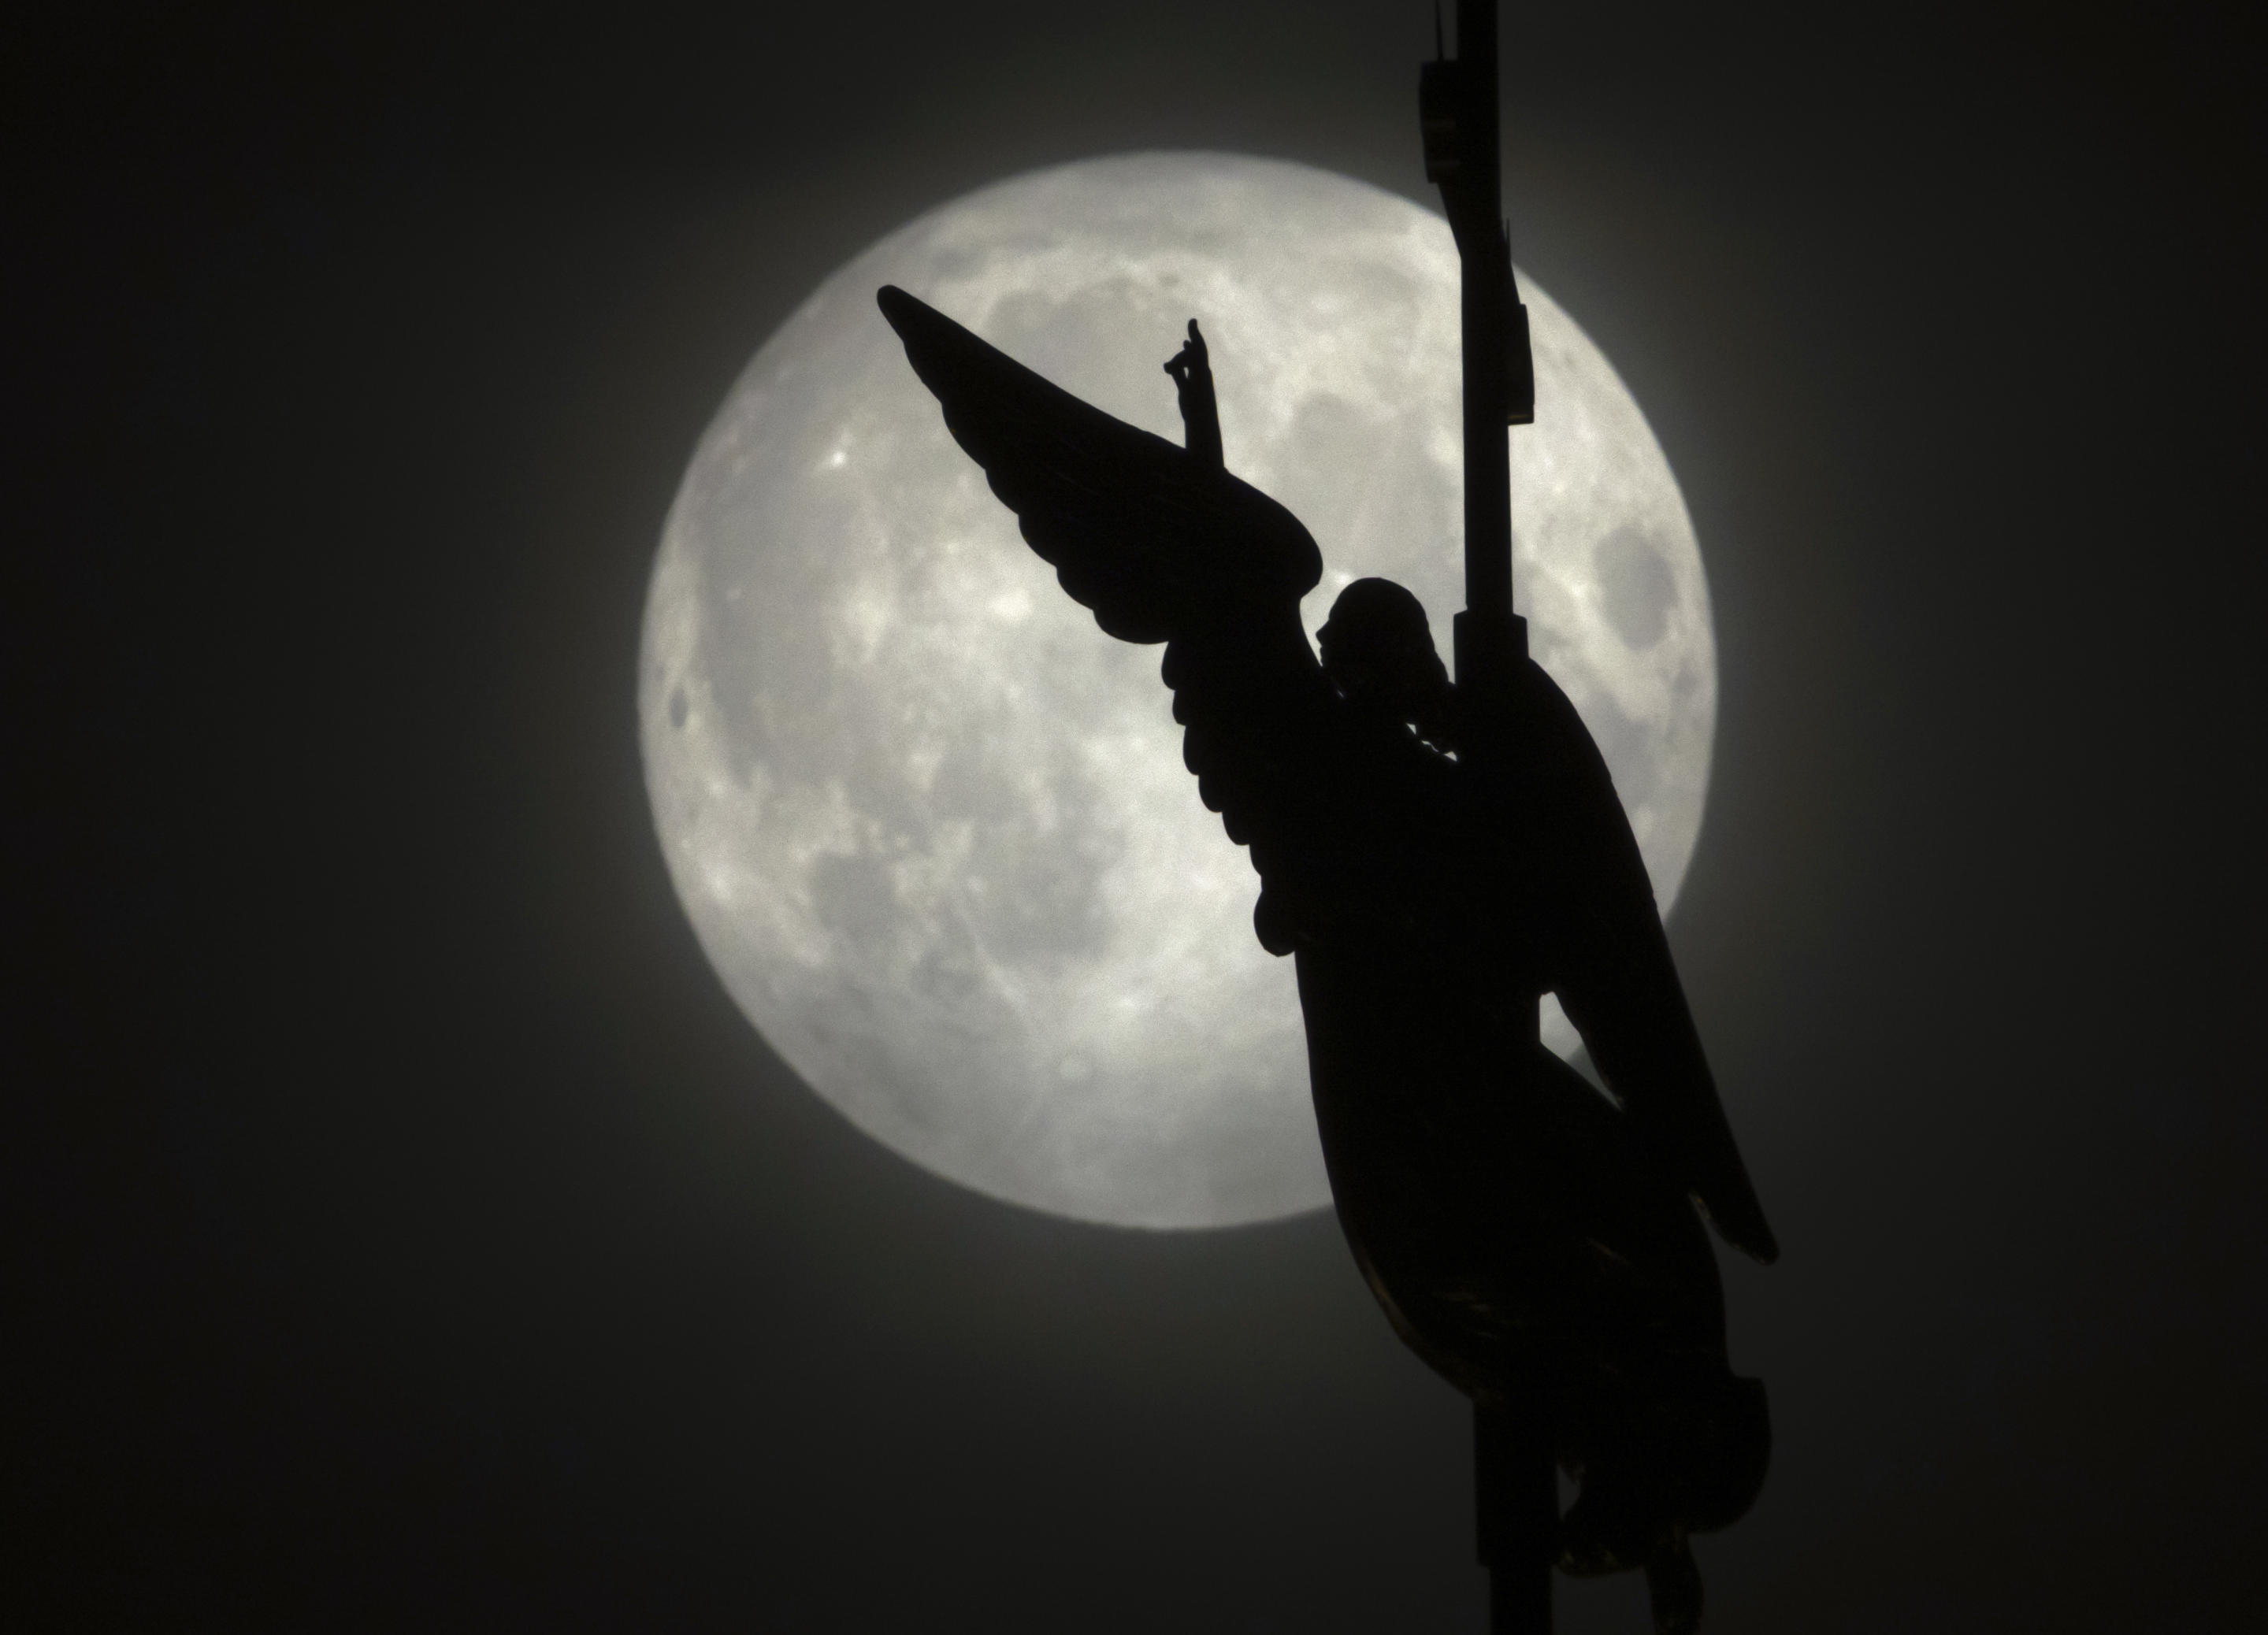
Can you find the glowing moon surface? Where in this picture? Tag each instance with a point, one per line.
(931, 825)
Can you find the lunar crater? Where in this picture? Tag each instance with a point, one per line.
(1635, 586)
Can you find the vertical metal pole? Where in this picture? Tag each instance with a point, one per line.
(1515, 1473)
(1457, 102)
(1488, 455)
(1516, 1512)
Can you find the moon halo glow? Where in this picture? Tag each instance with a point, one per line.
(931, 825)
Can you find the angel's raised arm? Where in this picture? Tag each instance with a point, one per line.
(1191, 368)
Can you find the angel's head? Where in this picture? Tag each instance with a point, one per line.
(1378, 651)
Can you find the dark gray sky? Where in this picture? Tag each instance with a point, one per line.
(408, 1233)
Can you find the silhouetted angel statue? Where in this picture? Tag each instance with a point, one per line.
(1535, 1241)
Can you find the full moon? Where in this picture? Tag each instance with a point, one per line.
(931, 825)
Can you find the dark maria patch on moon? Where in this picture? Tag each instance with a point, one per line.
(1635, 586)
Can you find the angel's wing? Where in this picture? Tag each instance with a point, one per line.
(1618, 982)
(1161, 547)
(1158, 543)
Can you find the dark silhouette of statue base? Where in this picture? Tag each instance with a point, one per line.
(1535, 1241)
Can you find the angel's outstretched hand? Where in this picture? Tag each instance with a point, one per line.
(1192, 372)
(1190, 361)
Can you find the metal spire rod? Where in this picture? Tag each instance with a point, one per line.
(1457, 109)
(1515, 1469)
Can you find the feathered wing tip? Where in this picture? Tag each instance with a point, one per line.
(1742, 1224)
(1720, 1179)
(1717, 1175)
(931, 338)
(915, 319)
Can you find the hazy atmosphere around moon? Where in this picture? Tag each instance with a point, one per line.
(931, 825)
